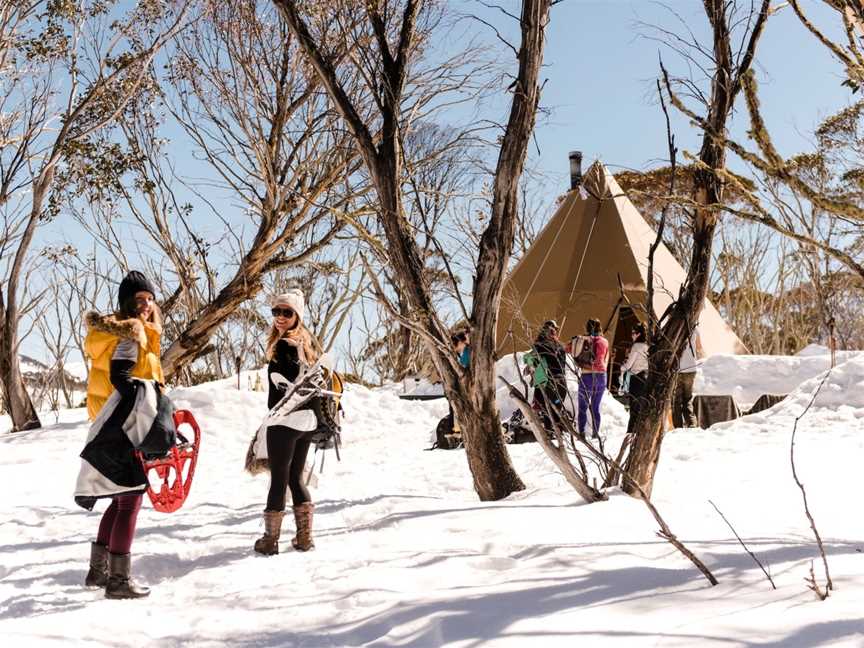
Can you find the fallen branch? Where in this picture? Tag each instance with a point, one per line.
(752, 555)
(829, 585)
(558, 456)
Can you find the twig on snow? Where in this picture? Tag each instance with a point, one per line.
(829, 585)
(752, 555)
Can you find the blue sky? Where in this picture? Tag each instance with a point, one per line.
(600, 70)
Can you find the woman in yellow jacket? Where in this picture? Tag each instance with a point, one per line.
(121, 346)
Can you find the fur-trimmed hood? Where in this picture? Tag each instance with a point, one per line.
(128, 329)
(104, 332)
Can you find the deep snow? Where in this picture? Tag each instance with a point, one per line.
(407, 555)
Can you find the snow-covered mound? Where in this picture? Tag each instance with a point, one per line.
(822, 350)
(839, 392)
(836, 389)
(747, 377)
(407, 555)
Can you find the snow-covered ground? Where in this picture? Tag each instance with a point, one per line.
(747, 377)
(407, 556)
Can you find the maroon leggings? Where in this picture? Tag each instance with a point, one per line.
(117, 527)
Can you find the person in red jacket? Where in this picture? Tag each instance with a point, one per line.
(592, 356)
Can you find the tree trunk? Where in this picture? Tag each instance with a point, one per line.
(18, 403)
(668, 343)
(476, 409)
(472, 391)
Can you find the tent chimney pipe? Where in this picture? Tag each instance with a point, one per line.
(575, 169)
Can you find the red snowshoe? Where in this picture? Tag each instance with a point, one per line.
(176, 469)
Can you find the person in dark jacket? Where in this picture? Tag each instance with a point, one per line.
(551, 396)
(290, 347)
(130, 338)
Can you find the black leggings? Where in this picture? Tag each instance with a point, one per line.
(287, 449)
(637, 389)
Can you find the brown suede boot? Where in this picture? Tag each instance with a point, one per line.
(120, 585)
(268, 544)
(303, 519)
(98, 574)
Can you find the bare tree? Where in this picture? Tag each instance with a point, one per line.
(68, 71)
(258, 118)
(672, 330)
(57, 338)
(388, 48)
(782, 305)
(438, 178)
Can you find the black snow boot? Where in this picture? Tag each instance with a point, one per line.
(98, 574)
(120, 584)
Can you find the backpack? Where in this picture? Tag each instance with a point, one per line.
(445, 437)
(328, 410)
(587, 354)
(538, 366)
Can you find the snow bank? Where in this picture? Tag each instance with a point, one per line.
(840, 388)
(747, 377)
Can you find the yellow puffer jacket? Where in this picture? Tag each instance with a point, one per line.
(104, 332)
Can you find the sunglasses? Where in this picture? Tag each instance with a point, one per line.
(282, 312)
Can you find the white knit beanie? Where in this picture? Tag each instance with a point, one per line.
(292, 297)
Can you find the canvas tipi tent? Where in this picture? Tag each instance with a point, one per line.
(570, 273)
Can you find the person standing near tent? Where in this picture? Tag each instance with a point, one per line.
(462, 344)
(290, 347)
(462, 347)
(688, 365)
(122, 347)
(636, 364)
(549, 350)
(591, 353)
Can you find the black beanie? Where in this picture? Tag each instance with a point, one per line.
(132, 283)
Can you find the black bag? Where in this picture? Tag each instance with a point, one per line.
(327, 429)
(162, 435)
(327, 412)
(586, 356)
(445, 437)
